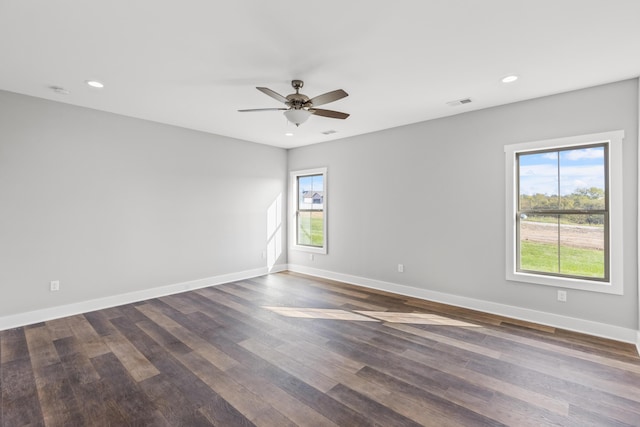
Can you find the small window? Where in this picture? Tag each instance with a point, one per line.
(309, 213)
(564, 212)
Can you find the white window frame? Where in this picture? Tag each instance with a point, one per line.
(615, 283)
(293, 210)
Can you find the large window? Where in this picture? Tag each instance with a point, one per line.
(562, 220)
(564, 212)
(309, 188)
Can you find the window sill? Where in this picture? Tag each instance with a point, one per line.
(566, 282)
(309, 249)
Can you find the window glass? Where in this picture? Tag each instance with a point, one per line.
(562, 212)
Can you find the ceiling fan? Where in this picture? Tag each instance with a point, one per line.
(300, 106)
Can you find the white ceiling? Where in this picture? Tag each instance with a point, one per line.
(194, 63)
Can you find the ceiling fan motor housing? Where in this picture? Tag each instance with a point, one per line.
(298, 100)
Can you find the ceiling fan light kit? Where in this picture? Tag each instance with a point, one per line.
(300, 106)
(297, 117)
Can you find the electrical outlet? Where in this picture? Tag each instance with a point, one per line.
(54, 285)
(562, 296)
(310, 257)
(400, 268)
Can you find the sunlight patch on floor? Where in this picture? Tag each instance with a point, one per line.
(369, 316)
(415, 318)
(319, 313)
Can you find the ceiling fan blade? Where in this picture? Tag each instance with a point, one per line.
(274, 95)
(328, 97)
(262, 109)
(328, 113)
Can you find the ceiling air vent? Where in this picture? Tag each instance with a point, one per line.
(60, 90)
(459, 102)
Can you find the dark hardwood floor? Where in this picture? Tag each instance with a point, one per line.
(286, 350)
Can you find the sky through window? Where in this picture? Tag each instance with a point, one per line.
(581, 168)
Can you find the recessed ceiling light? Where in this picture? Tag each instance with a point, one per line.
(95, 83)
(509, 79)
(288, 134)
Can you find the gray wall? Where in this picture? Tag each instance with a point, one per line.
(431, 196)
(109, 205)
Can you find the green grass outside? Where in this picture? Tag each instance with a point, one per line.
(311, 229)
(543, 257)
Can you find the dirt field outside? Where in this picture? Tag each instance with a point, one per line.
(577, 236)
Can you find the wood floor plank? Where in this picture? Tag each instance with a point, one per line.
(93, 343)
(137, 365)
(293, 350)
(20, 401)
(100, 323)
(59, 328)
(13, 345)
(41, 349)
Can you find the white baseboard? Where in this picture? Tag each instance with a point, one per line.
(554, 320)
(36, 316)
